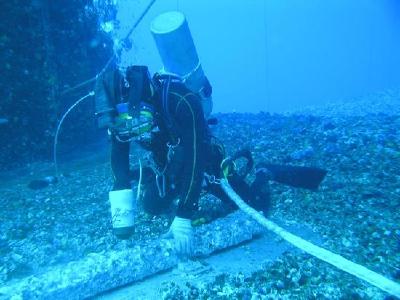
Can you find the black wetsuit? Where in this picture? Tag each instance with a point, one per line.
(192, 152)
(181, 125)
(182, 148)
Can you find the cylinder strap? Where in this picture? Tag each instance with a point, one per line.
(188, 75)
(336, 260)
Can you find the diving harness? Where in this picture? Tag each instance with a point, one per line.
(162, 82)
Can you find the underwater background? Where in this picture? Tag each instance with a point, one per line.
(313, 83)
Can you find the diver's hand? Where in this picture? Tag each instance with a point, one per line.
(182, 232)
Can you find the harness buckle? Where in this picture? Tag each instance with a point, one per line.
(212, 179)
(169, 145)
(171, 148)
(160, 185)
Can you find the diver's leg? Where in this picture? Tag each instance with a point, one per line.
(121, 196)
(239, 185)
(257, 194)
(120, 164)
(259, 189)
(295, 176)
(153, 201)
(217, 191)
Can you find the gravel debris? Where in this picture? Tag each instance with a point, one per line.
(355, 210)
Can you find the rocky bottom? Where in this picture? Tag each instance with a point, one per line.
(355, 211)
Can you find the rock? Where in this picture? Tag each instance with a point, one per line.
(280, 285)
(396, 274)
(332, 149)
(372, 194)
(328, 125)
(303, 153)
(346, 242)
(4, 246)
(17, 258)
(376, 235)
(331, 137)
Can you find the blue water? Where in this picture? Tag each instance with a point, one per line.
(307, 83)
(280, 55)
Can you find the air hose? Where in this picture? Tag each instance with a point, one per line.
(334, 259)
(90, 94)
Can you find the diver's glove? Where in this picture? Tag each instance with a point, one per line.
(182, 232)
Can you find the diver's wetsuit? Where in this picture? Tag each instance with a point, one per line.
(192, 151)
(179, 152)
(182, 148)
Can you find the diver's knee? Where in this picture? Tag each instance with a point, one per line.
(261, 196)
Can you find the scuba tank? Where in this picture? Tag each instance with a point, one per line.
(179, 56)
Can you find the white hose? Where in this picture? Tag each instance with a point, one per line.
(140, 180)
(336, 260)
(90, 94)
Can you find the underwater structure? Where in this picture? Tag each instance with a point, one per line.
(328, 229)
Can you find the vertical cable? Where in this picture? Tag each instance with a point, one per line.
(140, 180)
(90, 94)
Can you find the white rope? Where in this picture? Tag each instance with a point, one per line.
(336, 260)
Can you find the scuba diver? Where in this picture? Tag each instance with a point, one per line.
(165, 118)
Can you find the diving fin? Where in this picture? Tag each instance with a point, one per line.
(299, 177)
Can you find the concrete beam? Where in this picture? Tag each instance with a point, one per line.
(100, 272)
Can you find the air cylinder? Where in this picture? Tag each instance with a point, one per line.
(178, 53)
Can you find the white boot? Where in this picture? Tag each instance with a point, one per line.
(122, 212)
